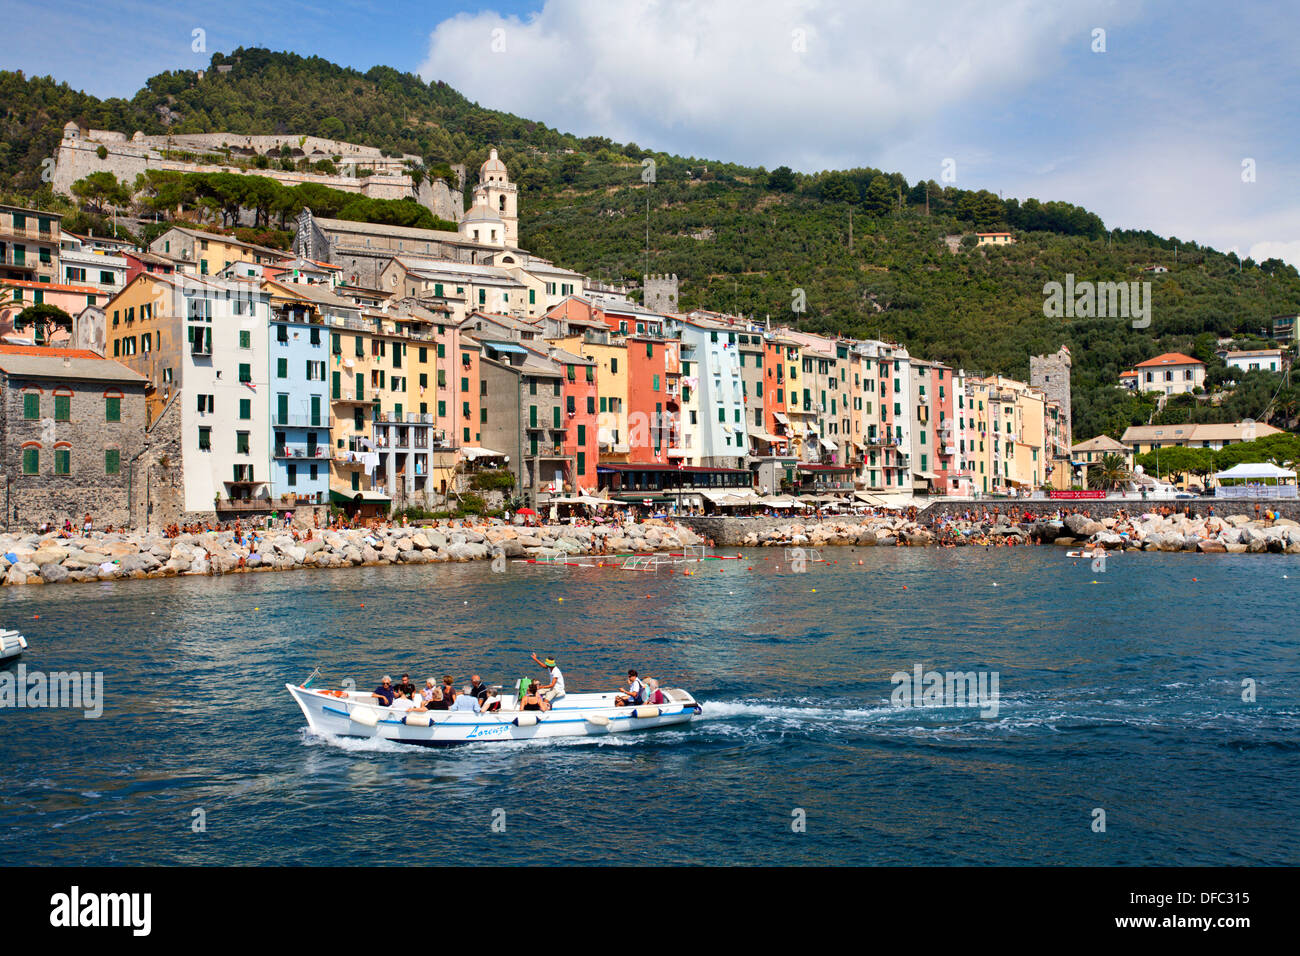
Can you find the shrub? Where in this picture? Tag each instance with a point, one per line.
(499, 480)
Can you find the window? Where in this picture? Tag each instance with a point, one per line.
(112, 409)
(63, 461)
(571, 405)
(246, 337)
(241, 443)
(281, 369)
(246, 372)
(32, 406)
(582, 434)
(591, 405)
(205, 438)
(31, 461)
(112, 461)
(62, 408)
(656, 383)
(613, 366)
(555, 416)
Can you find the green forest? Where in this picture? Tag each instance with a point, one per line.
(863, 251)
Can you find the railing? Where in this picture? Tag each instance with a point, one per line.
(29, 232)
(300, 421)
(245, 504)
(321, 453)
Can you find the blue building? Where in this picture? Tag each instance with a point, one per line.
(299, 400)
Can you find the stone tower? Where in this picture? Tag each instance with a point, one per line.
(499, 195)
(661, 293)
(1051, 373)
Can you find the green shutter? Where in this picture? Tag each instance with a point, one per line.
(62, 408)
(112, 461)
(245, 409)
(112, 411)
(32, 406)
(31, 461)
(62, 461)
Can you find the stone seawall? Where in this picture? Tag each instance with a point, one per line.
(728, 532)
(49, 559)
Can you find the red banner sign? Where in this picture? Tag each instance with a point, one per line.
(1099, 493)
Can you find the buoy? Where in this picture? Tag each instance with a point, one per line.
(995, 583)
(1193, 580)
(1094, 582)
(258, 608)
(814, 590)
(467, 602)
(904, 587)
(561, 600)
(36, 617)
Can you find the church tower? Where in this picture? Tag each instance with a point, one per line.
(500, 195)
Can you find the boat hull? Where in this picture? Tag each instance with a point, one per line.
(591, 716)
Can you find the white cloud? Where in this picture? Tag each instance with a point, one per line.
(1286, 250)
(725, 79)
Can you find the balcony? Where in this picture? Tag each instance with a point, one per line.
(319, 453)
(8, 231)
(300, 421)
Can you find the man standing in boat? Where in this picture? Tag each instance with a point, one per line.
(555, 689)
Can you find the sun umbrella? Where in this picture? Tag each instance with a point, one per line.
(526, 511)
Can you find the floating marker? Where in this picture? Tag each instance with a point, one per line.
(561, 600)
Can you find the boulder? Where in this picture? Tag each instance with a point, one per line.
(1211, 546)
(52, 573)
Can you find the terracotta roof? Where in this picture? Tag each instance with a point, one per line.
(1169, 358)
(51, 286)
(7, 349)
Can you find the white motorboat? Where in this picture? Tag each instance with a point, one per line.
(12, 644)
(358, 714)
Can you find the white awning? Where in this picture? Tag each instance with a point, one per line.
(829, 445)
(1255, 470)
(475, 453)
(763, 435)
(781, 418)
(927, 475)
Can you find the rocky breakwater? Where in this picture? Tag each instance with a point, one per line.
(49, 559)
(1231, 534)
(876, 530)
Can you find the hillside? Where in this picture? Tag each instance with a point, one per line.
(740, 239)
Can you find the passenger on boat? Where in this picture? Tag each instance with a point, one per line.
(656, 696)
(555, 689)
(478, 689)
(492, 703)
(532, 700)
(405, 686)
(385, 692)
(448, 689)
(635, 692)
(438, 702)
(404, 703)
(429, 689)
(466, 701)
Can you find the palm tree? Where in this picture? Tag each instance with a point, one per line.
(1109, 472)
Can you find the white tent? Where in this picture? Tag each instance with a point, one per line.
(1254, 471)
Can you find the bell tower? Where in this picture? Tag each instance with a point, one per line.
(499, 194)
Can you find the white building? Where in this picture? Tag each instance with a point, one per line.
(1257, 360)
(80, 263)
(225, 378)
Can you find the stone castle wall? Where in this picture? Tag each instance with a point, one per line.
(78, 158)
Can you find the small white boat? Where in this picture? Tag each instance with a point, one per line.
(12, 644)
(358, 714)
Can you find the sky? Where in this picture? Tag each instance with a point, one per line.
(1175, 117)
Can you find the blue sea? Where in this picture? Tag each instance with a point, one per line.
(1120, 703)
